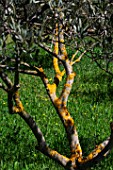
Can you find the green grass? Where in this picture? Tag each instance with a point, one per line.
(90, 104)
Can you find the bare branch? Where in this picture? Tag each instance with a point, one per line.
(3, 87)
(29, 72)
(74, 55)
(62, 160)
(47, 49)
(5, 79)
(100, 66)
(59, 74)
(42, 146)
(79, 58)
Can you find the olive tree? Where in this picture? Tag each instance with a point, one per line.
(91, 30)
(46, 24)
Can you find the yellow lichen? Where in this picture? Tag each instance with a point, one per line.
(52, 88)
(67, 85)
(78, 149)
(71, 76)
(64, 52)
(90, 156)
(80, 160)
(97, 151)
(59, 74)
(56, 40)
(52, 153)
(19, 108)
(15, 109)
(61, 40)
(56, 48)
(41, 70)
(55, 63)
(58, 102)
(59, 77)
(68, 121)
(64, 57)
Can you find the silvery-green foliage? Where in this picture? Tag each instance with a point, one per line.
(87, 24)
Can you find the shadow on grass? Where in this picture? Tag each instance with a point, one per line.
(98, 88)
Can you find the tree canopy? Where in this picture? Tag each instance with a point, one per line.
(88, 24)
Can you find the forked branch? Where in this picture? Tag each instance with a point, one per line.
(76, 160)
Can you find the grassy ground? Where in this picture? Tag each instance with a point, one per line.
(90, 104)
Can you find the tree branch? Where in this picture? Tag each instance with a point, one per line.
(3, 87)
(42, 146)
(59, 74)
(5, 79)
